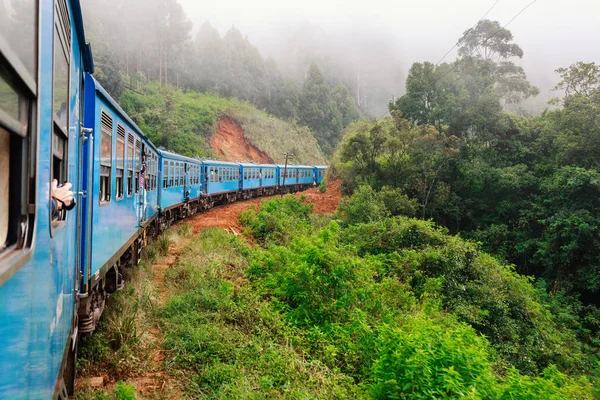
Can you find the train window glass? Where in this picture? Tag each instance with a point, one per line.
(105, 157)
(171, 174)
(18, 28)
(129, 164)
(120, 161)
(181, 175)
(152, 171)
(165, 173)
(137, 156)
(60, 104)
(4, 187)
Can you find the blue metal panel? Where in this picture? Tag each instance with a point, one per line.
(319, 172)
(37, 302)
(175, 193)
(116, 222)
(305, 175)
(269, 182)
(217, 182)
(291, 178)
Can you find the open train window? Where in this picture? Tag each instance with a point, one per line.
(171, 174)
(165, 173)
(18, 76)
(105, 157)
(60, 98)
(130, 158)
(137, 155)
(120, 161)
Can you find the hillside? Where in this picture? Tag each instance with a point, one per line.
(186, 121)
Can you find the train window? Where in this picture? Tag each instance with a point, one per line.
(171, 173)
(60, 101)
(4, 189)
(165, 173)
(120, 161)
(137, 156)
(129, 164)
(18, 29)
(18, 76)
(151, 171)
(181, 175)
(105, 157)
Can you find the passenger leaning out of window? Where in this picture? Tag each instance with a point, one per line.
(62, 198)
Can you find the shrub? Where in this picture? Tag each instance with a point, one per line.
(363, 206)
(277, 220)
(429, 358)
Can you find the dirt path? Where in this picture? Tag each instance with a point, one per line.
(229, 142)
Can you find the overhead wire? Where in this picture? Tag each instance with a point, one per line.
(485, 41)
(467, 32)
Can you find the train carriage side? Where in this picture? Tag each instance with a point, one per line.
(287, 178)
(319, 173)
(305, 175)
(258, 179)
(221, 180)
(121, 180)
(43, 56)
(181, 189)
(269, 178)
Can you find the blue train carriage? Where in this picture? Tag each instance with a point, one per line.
(319, 173)
(258, 180)
(43, 57)
(295, 177)
(305, 176)
(221, 181)
(181, 192)
(120, 179)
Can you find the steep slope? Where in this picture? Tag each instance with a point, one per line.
(186, 122)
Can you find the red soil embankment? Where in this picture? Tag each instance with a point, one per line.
(227, 217)
(231, 144)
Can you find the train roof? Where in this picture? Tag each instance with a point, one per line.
(218, 162)
(100, 90)
(258, 165)
(86, 49)
(294, 166)
(175, 156)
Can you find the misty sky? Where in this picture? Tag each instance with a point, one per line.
(552, 33)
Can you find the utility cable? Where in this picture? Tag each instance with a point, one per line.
(467, 32)
(485, 41)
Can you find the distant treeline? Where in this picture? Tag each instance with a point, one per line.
(137, 41)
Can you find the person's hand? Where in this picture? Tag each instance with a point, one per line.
(63, 194)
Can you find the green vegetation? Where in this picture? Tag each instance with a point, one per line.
(407, 310)
(526, 187)
(184, 121)
(334, 307)
(228, 66)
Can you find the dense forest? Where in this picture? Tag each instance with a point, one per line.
(136, 42)
(464, 260)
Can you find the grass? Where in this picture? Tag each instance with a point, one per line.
(221, 339)
(225, 342)
(191, 119)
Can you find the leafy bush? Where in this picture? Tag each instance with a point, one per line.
(124, 391)
(277, 220)
(363, 206)
(429, 358)
(322, 186)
